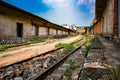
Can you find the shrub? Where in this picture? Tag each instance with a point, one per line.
(6, 46)
(3, 47)
(115, 73)
(67, 47)
(59, 45)
(88, 41)
(34, 40)
(86, 51)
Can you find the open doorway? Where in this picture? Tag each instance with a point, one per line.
(19, 30)
(36, 30)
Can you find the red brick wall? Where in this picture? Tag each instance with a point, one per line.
(97, 29)
(115, 19)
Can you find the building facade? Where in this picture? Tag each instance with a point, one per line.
(106, 14)
(17, 24)
(119, 17)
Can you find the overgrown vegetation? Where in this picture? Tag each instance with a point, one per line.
(86, 52)
(6, 46)
(87, 46)
(67, 47)
(88, 41)
(69, 36)
(115, 72)
(35, 40)
(67, 72)
(72, 64)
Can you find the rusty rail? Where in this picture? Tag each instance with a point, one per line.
(43, 75)
(36, 56)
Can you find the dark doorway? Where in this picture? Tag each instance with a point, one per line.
(19, 30)
(56, 32)
(36, 31)
(48, 31)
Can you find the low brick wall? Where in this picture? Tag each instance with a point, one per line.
(16, 40)
(13, 40)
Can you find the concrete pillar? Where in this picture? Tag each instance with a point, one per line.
(119, 17)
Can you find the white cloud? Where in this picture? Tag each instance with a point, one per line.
(88, 3)
(57, 3)
(65, 12)
(79, 2)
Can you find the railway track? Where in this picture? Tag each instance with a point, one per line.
(66, 68)
(33, 68)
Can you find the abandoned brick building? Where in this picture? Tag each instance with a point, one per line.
(107, 18)
(18, 25)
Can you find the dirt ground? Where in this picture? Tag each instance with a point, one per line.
(15, 54)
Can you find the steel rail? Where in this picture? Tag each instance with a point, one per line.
(43, 75)
(51, 51)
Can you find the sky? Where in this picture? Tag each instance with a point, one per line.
(78, 12)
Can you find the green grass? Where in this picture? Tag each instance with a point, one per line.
(69, 36)
(5, 46)
(87, 44)
(67, 72)
(115, 72)
(72, 64)
(86, 51)
(78, 44)
(67, 47)
(59, 45)
(35, 40)
(88, 41)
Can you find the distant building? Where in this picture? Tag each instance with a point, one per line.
(73, 27)
(17, 25)
(80, 30)
(66, 26)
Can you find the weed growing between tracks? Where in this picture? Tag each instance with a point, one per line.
(115, 72)
(87, 44)
(67, 47)
(72, 66)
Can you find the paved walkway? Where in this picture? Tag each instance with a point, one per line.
(24, 53)
(112, 51)
(102, 54)
(104, 50)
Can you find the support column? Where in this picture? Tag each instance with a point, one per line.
(119, 18)
(115, 19)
